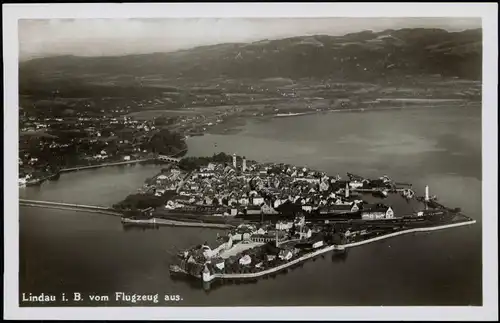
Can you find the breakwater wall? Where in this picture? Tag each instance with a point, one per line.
(328, 249)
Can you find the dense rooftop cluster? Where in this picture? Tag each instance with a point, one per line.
(242, 188)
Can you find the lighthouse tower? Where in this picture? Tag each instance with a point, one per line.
(206, 274)
(427, 193)
(347, 190)
(244, 166)
(234, 161)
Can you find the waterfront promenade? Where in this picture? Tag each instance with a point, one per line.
(331, 248)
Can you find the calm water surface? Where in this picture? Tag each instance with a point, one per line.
(66, 251)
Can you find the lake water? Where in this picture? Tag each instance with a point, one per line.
(66, 251)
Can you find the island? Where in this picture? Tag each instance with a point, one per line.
(275, 215)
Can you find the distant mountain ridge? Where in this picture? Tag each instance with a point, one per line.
(363, 56)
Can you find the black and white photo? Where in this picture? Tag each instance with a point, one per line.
(166, 157)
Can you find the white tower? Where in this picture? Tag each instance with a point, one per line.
(234, 161)
(427, 193)
(206, 274)
(347, 190)
(244, 166)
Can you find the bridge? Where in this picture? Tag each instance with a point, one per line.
(172, 158)
(376, 190)
(167, 159)
(72, 169)
(69, 206)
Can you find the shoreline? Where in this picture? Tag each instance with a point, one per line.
(228, 131)
(234, 127)
(328, 249)
(83, 168)
(412, 107)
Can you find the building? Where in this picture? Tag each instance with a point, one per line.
(245, 260)
(307, 207)
(314, 242)
(305, 233)
(339, 209)
(430, 213)
(253, 209)
(266, 237)
(257, 200)
(285, 254)
(312, 180)
(355, 184)
(317, 241)
(267, 209)
(210, 253)
(270, 237)
(376, 212)
(284, 225)
(271, 257)
(217, 263)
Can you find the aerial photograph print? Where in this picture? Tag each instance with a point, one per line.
(291, 161)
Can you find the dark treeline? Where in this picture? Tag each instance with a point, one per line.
(165, 142)
(192, 163)
(74, 88)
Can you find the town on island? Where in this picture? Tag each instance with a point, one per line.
(274, 216)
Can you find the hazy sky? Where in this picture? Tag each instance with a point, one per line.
(96, 37)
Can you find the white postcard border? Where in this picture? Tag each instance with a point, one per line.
(488, 13)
